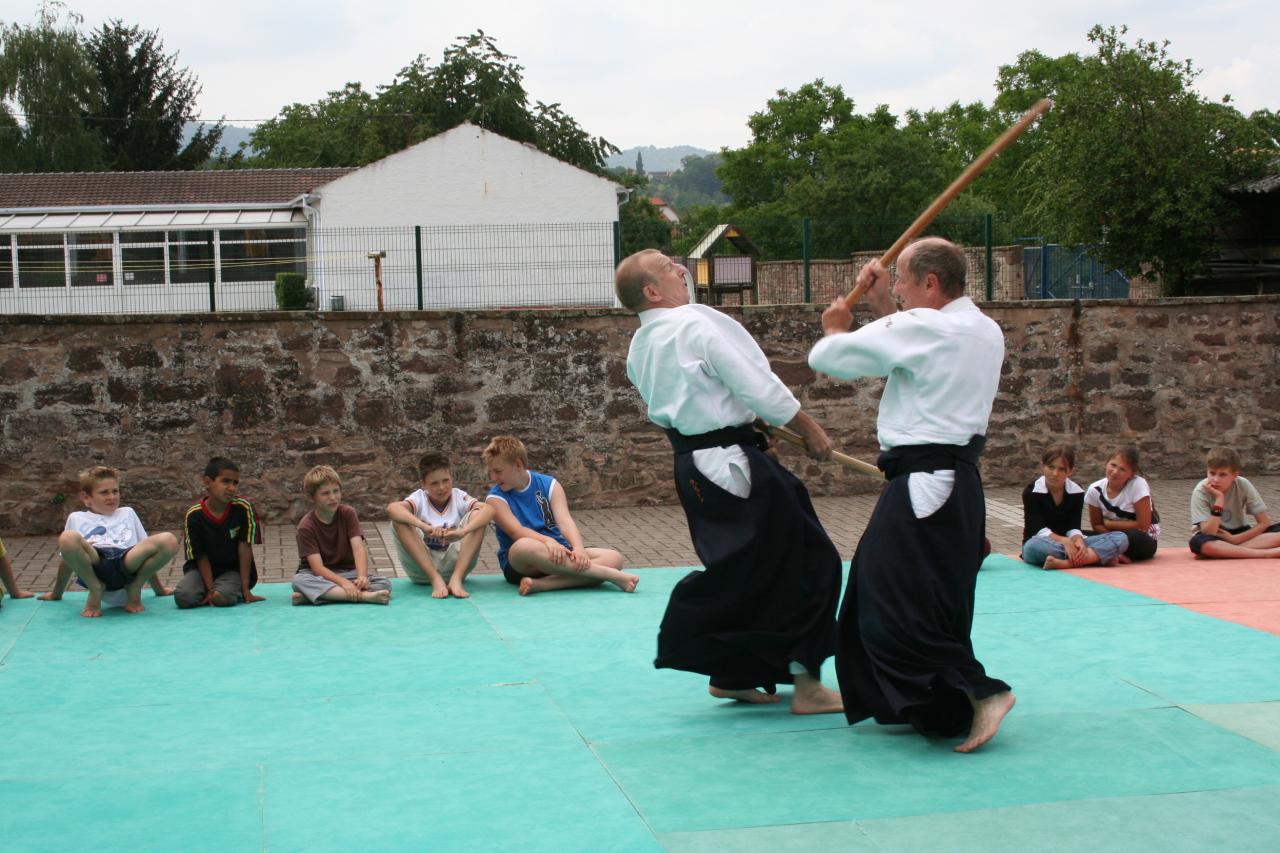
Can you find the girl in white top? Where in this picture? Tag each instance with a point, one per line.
(1122, 501)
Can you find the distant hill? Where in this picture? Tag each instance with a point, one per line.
(232, 135)
(655, 159)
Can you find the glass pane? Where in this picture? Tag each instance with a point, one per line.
(142, 265)
(39, 240)
(261, 261)
(41, 267)
(89, 239)
(91, 267)
(190, 263)
(6, 263)
(141, 236)
(190, 236)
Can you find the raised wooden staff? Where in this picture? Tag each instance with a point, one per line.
(966, 177)
(844, 459)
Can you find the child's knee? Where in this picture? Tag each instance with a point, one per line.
(69, 540)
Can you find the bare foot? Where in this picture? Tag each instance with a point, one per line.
(22, 594)
(987, 715)
(48, 596)
(91, 611)
(811, 697)
(298, 598)
(456, 590)
(1123, 560)
(439, 590)
(526, 586)
(163, 591)
(1056, 563)
(217, 599)
(627, 583)
(753, 696)
(134, 606)
(380, 596)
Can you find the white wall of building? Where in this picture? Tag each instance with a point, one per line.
(503, 224)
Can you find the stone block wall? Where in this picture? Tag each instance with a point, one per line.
(368, 393)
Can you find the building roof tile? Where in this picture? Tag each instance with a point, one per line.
(88, 189)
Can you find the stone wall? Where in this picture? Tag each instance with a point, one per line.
(368, 393)
(782, 282)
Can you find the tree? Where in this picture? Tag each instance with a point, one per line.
(640, 164)
(639, 222)
(1135, 162)
(859, 178)
(474, 82)
(144, 101)
(44, 69)
(338, 130)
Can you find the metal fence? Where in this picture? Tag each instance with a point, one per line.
(130, 271)
(812, 260)
(234, 269)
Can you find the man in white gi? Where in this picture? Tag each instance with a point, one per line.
(763, 610)
(904, 653)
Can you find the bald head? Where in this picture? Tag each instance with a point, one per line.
(632, 275)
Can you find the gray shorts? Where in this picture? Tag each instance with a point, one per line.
(446, 561)
(190, 590)
(313, 586)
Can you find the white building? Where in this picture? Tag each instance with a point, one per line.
(467, 218)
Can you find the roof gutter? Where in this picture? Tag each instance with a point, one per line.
(154, 208)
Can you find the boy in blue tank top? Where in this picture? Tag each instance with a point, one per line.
(539, 546)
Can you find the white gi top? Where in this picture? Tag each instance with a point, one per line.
(699, 370)
(943, 368)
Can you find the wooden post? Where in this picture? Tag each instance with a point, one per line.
(377, 274)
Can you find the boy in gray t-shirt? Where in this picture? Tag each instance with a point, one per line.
(1220, 506)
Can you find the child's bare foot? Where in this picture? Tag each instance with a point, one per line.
(527, 587)
(987, 715)
(456, 590)
(380, 596)
(217, 599)
(134, 605)
(752, 696)
(811, 697)
(439, 590)
(1122, 560)
(48, 596)
(627, 583)
(298, 598)
(21, 594)
(92, 611)
(162, 591)
(1056, 563)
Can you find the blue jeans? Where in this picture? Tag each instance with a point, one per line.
(1108, 546)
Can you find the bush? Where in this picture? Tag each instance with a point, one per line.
(291, 291)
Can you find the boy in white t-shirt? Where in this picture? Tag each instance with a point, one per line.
(439, 529)
(106, 546)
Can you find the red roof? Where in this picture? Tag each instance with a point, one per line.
(234, 186)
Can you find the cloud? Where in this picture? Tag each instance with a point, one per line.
(665, 72)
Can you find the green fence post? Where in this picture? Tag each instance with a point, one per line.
(804, 249)
(987, 232)
(617, 243)
(213, 276)
(417, 259)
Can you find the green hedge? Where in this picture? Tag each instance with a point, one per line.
(291, 291)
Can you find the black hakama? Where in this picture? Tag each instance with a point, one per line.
(904, 653)
(768, 594)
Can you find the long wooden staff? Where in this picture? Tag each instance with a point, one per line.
(844, 459)
(966, 177)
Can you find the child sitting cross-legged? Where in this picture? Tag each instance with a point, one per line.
(333, 563)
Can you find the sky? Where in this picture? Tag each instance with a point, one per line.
(665, 73)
